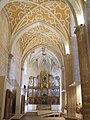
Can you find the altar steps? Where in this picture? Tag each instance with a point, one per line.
(32, 113)
(43, 107)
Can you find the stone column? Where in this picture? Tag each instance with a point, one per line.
(63, 89)
(9, 64)
(18, 102)
(84, 70)
(71, 101)
(2, 96)
(22, 69)
(71, 90)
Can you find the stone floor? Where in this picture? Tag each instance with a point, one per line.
(26, 117)
(50, 116)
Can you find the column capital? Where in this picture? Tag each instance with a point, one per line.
(10, 56)
(62, 67)
(22, 68)
(79, 28)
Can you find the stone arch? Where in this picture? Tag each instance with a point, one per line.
(51, 28)
(58, 55)
(72, 4)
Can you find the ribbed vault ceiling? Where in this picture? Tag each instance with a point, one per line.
(43, 59)
(56, 15)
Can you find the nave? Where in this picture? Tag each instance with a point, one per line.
(50, 37)
(47, 115)
(34, 116)
(40, 118)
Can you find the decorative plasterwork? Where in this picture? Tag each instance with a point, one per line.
(15, 12)
(33, 52)
(41, 41)
(76, 6)
(21, 14)
(76, 3)
(42, 33)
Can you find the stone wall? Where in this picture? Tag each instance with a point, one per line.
(4, 37)
(15, 67)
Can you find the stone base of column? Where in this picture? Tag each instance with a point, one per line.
(17, 116)
(70, 118)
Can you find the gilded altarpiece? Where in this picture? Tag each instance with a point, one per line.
(44, 89)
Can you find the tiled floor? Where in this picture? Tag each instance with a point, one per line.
(41, 118)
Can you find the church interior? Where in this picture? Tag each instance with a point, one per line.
(44, 59)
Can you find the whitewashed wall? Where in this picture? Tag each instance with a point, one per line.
(4, 37)
(15, 67)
